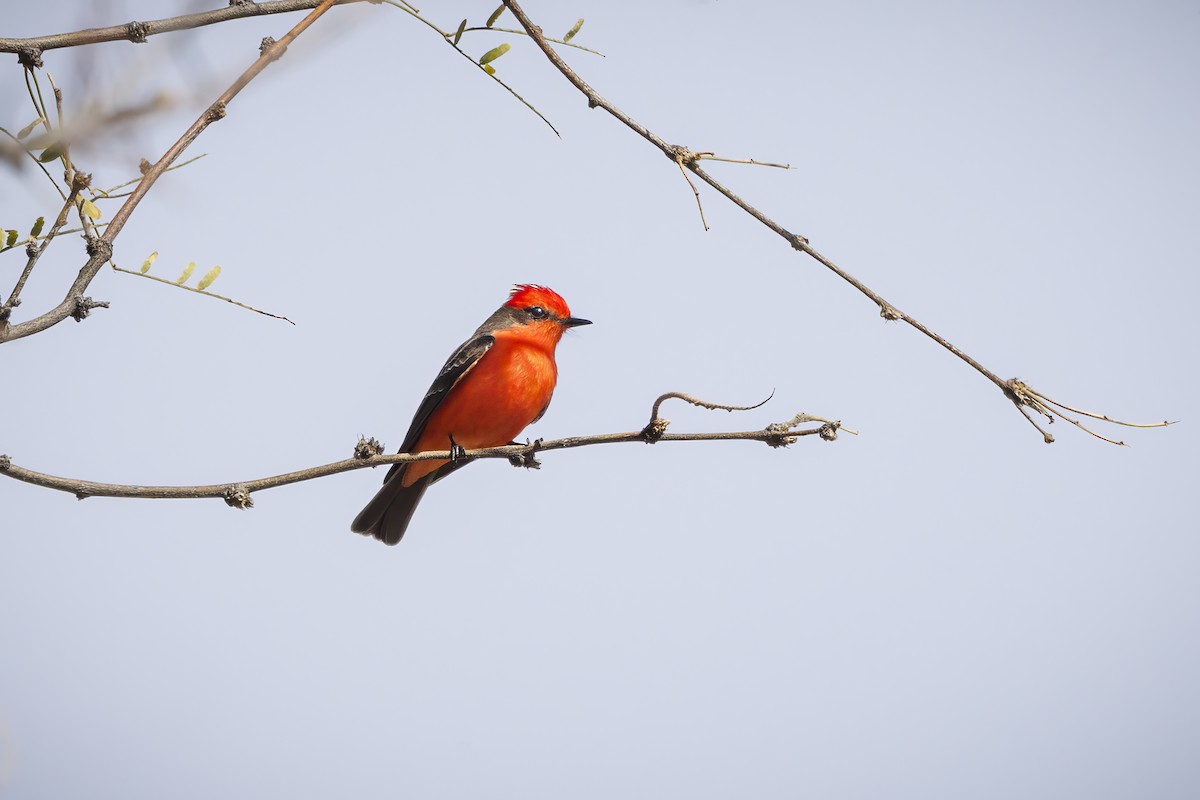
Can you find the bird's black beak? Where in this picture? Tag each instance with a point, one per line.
(574, 322)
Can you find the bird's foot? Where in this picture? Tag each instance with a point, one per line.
(457, 451)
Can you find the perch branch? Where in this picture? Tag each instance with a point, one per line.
(238, 493)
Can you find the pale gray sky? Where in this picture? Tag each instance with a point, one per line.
(942, 607)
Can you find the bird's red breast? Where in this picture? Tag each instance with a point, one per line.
(507, 389)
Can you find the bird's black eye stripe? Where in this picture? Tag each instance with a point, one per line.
(537, 312)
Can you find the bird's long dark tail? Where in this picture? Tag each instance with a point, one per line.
(387, 516)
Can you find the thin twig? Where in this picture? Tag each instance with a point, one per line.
(687, 398)
(1028, 397)
(1103, 417)
(686, 158)
(100, 248)
(751, 161)
(109, 193)
(548, 38)
(201, 291)
(238, 492)
(449, 38)
(679, 159)
(657, 426)
(35, 253)
(35, 160)
(140, 31)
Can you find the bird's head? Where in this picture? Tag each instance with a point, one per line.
(542, 308)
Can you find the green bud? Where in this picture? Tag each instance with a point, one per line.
(494, 53)
(187, 273)
(208, 278)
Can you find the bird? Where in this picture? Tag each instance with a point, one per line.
(493, 386)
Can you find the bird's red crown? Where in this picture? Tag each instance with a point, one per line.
(525, 295)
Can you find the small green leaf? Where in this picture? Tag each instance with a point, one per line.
(489, 69)
(28, 129)
(208, 278)
(149, 262)
(494, 53)
(495, 15)
(52, 152)
(462, 26)
(574, 30)
(89, 208)
(11, 238)
(187, 273)
(38, 224)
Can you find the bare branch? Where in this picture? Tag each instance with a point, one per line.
(367, 454)
(138, 32)
(689, 159)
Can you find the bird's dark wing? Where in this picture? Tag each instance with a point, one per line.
(387, 515)
(457, 366)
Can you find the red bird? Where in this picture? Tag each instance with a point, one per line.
(498, 382)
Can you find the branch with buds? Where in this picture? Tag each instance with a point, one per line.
(369, 453)
(100, 247)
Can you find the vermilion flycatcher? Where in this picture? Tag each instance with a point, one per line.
(499, 381)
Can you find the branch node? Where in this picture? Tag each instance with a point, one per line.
(30, 57)
(266, 44)
(889, 312)
(779, 434)
(654, 430)
(779, 439)
(238, 496)
(81, 181)
(829, 430)
(98, 248)
(368, 448)
(240, 2)
(798, 242)
(137, 32)
(84, 306)
(5, 463)
(682, 156)
(144, 166)
(216, 112)
(526, 458)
